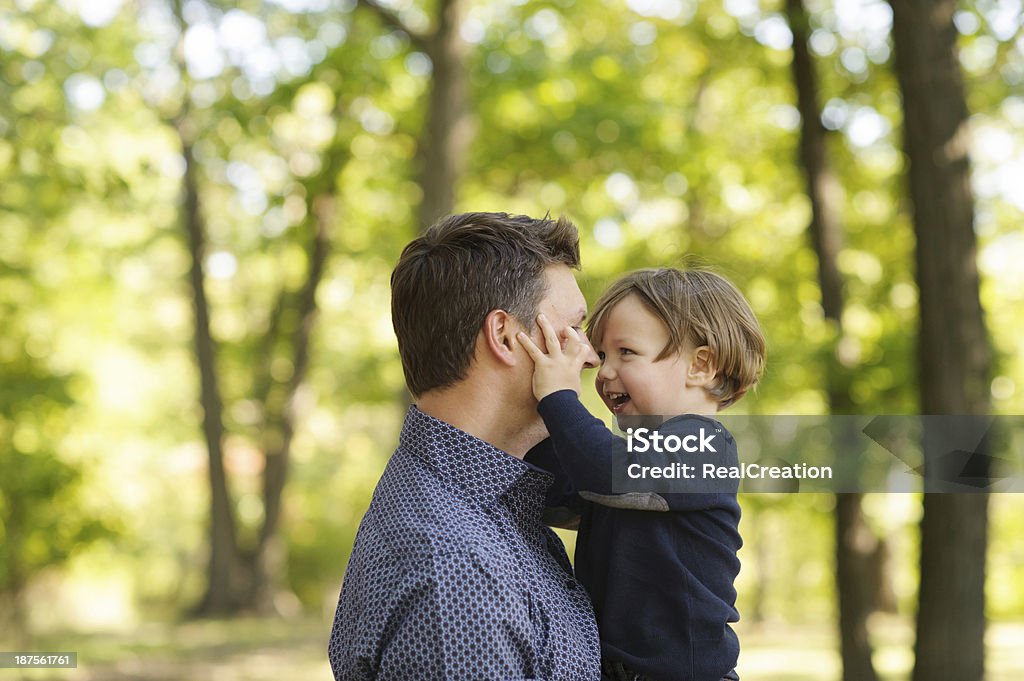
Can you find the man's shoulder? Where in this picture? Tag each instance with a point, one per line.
(399, 551)
(416, 515)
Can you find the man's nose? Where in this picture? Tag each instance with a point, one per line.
(592, 360)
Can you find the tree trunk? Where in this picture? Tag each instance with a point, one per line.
(223, 562)
(953, 350)
(246, 578)
(267, 561)
(823, 188)
(449, 130)
(446, 136)
(14, 593)
(855, 544)
(856, 547)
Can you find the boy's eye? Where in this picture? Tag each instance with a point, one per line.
(626, 351)
(600, 356)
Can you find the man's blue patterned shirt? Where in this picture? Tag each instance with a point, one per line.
(454, 576)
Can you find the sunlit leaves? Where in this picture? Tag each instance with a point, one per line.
(664, 128)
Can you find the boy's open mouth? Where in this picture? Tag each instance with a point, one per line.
(617, 401)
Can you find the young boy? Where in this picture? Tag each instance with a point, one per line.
(659, 568)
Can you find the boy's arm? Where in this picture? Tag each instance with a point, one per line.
(587, 451)
(581, 454)
(562, 504)
(581, 443)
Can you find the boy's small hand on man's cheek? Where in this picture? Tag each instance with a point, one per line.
(559, 368)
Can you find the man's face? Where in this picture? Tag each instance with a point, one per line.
(564, 306)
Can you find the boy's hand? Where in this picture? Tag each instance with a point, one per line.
(559, 368)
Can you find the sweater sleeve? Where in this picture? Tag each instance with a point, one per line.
(562, 503)
(582, 443)
(586, 451)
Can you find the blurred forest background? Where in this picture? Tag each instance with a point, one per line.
(201, 203)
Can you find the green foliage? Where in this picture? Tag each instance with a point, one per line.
(665, 130)
(43, 520)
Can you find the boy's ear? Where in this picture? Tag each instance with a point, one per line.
(702, 370)
(499, 336)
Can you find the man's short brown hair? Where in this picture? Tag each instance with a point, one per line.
(697, 307)
(463, 267)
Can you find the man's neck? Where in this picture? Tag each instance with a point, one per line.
(482, 415)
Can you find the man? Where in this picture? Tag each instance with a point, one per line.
(453, 575)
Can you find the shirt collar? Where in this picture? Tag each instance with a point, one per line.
(483, 471)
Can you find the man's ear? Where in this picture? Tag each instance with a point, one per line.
(702, 370)
(499, 336)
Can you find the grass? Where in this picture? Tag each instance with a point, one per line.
(261, 650)
(225, 650)
(783, 652)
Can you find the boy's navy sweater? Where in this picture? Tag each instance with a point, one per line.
(661, 581)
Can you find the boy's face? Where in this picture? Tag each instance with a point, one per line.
(630, 381)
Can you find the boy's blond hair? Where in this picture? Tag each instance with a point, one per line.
(698, 308)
